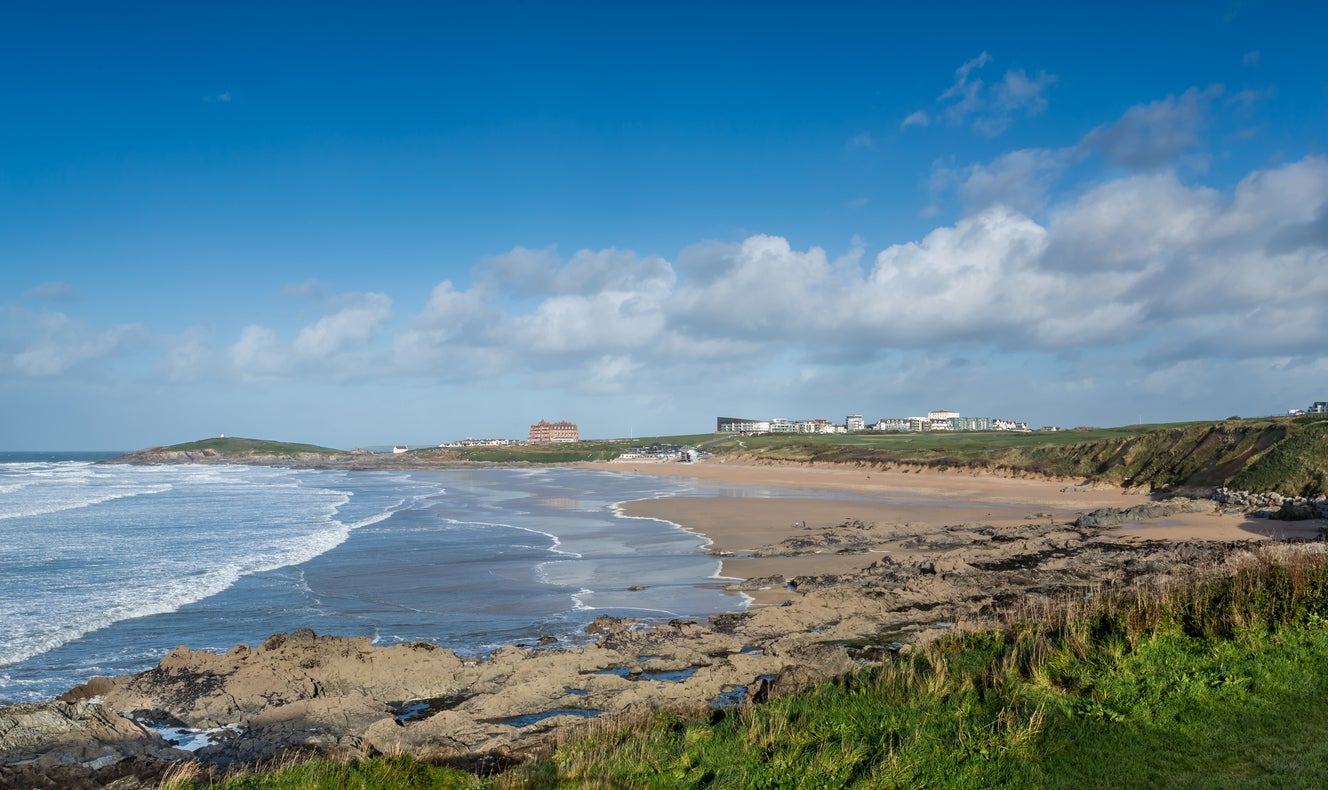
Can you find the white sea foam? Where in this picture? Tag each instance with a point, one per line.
(67, 574)
(73, 504)
(210, 527)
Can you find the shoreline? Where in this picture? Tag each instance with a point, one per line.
(758, 538)
(850, 567)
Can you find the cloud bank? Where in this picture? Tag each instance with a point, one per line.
(1181, 272)
(1141, 282)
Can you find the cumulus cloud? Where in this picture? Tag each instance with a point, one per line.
(1136, 279)
(50, 344)
(352, 325)
(258, 354)
(336, 346)
(1020, 179)
(1151, 136)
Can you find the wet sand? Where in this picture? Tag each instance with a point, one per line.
(750, 533)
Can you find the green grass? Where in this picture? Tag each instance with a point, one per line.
(399, 771)
(1218, 682)
(570, 452)
(1219, 685)
(1289, 456)
(238, 445)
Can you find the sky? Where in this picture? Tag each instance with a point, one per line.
(359, 224)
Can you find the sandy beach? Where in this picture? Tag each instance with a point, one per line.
(896, 508)
(844, 566)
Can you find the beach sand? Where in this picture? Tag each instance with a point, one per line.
(902, 505)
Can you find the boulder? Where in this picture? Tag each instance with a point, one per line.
(84, 733)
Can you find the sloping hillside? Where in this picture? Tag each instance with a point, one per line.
(230, 449)
(1289, 456)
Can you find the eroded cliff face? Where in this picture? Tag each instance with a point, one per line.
(343, 695)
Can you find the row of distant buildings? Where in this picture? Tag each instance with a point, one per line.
(1318, 407)
(934, 421)
(542, 432)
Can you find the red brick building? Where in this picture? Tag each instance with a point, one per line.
(563, 431)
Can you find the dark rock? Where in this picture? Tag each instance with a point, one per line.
(1296, 511)
(1115, 516)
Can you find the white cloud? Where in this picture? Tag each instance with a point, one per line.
(1151, 136)
(336, 346)
(1139, 275)
(457, 335)
(51, 344)
(353, 325)
(1016, 93)
(258, 354)
(991, 109)
(592, 323)
(918, 118)
(522, 272)
(1020, 179)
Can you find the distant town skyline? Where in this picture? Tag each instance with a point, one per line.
(356, 225)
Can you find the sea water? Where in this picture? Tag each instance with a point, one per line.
(105, 568)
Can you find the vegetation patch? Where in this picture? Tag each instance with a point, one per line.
(1288, 456)
(240, 446)
(554, 453)
(1214, 682)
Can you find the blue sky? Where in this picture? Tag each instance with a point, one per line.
(351, 225)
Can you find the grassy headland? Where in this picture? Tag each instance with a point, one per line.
(1212, 682)
(1285, 455)
(240, 446)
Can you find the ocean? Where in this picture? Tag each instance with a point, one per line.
(106, 568)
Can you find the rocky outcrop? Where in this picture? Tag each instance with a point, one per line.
(205, 456)
(84, 733)
(1115, 516)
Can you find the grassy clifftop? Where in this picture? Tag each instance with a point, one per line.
(1286, 455)
(235, 447)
